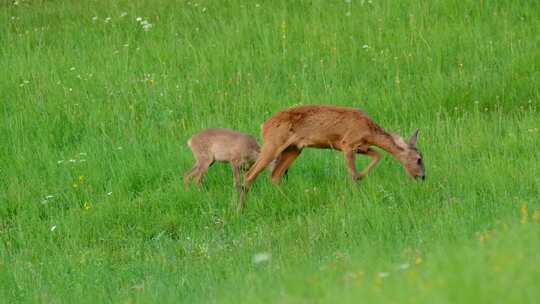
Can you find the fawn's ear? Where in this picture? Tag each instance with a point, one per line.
(414, 136)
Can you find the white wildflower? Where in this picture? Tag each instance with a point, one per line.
(261, 257)
(109, 193)
(365, 46)
(46, 199)
(123, 14)
(72, 69)
(108, 19)
(95, 18)
(403, 266)
(383, 274)
(53, 228)
(146, 25)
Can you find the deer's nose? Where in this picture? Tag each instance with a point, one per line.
(423, 177)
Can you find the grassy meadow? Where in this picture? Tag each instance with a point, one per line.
(98, 99)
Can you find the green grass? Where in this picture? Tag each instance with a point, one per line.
(96, 113)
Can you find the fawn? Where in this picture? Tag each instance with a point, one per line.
(346, 129)
(222, 145)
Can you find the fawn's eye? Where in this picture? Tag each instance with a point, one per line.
(419, 161)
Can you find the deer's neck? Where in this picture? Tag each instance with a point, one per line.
(386, 141)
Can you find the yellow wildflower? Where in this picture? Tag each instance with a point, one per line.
(536, 215)
(524, 214)
(483, 237)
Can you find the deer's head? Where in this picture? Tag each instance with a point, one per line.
(410, 157)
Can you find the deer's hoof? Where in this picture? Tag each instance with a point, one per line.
(358, 178)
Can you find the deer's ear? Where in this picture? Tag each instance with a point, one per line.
(414, 136)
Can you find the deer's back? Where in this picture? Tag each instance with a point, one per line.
(322, 122)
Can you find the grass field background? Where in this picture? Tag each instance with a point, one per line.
(98, 99)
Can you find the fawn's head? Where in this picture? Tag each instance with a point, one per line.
(411, 158)
(253, 158)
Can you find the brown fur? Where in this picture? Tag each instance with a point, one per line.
(345, 129)
(222, 145)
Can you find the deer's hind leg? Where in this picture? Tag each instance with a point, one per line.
(267, 155)
(286, 158)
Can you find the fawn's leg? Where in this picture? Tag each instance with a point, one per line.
(204, 164)
(189, 174)
(236, 174)
(202, 156)
(285, 160)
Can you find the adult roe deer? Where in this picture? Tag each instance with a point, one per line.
(349, 130)
(222, 145)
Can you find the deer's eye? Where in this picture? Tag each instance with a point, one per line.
(419, 161)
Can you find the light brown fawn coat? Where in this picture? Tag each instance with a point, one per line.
(345, 129)
(222, 145)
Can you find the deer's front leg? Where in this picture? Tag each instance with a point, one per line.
(376, 157)
(350, 156)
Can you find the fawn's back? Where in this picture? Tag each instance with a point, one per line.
(224, 145)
